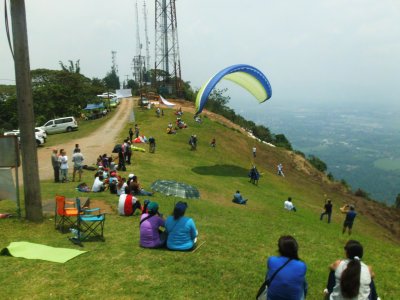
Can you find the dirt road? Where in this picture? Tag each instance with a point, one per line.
(100, 141)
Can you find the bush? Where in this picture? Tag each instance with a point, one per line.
(317, 163)
(361, 193)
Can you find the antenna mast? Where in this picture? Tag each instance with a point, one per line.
(147, 37)
(167, 61)
(138, 59)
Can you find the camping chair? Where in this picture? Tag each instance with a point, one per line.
(90, 223)
(65, 214)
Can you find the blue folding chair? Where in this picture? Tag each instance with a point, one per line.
(90, 224)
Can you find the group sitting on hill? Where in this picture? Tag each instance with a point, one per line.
(179, 232)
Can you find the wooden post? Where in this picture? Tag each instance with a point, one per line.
(33, 204)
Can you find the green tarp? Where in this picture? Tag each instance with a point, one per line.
(37, 251)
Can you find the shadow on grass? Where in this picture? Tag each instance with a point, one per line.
(222, 170)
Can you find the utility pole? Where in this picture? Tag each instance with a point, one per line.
(33, 203)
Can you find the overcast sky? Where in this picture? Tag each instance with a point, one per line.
(311, 50)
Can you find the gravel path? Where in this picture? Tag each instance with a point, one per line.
(100, 141)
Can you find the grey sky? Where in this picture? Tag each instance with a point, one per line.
(316, 50)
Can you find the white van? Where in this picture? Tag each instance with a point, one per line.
(66, 124)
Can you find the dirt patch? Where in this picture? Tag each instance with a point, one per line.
(100, 141)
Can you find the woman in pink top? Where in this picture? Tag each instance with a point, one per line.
(150, 224)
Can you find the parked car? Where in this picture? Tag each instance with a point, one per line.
(107, 95)
(66, 124)
(41, 132)
(38, 136)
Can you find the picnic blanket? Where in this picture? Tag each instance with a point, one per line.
(37, 251)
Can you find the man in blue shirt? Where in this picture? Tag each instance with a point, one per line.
(348, 222)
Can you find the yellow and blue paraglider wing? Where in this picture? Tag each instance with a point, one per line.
(248, 77)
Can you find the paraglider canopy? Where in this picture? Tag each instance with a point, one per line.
(248, 77)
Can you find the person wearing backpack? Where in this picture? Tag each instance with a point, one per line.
(286, 272)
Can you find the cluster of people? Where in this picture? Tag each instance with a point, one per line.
(59, 162)
(348, 278)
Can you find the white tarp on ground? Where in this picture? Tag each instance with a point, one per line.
(7, 186)
(165, 102)
(123, 93)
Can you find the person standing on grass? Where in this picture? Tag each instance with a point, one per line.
(77, 159)
(130, 134)
(63, 165)
(136, 130)
(348, 222)
(56, 165)
(152, 144)
(328, 211)
(280, 170)
(254, 151)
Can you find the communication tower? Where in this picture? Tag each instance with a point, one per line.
(114, 61)
(147, 37)
(167, 61)
(138, 61)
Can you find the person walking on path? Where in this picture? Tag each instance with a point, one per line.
(63, 165)
(328, 210)
(56, 165)
(77, 159)
(348, 222)
(254, 151)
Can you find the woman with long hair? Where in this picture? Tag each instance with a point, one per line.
(287, 271)
(352, 278)
(181, 230)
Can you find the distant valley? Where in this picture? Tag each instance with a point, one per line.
(360, 144)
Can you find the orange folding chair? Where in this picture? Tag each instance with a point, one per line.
(65, 214)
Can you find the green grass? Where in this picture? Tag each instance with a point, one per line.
(232, 262)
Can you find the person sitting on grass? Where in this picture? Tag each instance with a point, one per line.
(98, 185)
(181, 230)
(350, 278)
(289, 205)
(136, 188)
(127, 204)
(113, 183)
(237, 198)
(121, 186)
(150, 223)
(290, 281)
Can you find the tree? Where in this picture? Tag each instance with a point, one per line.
(317, 163)
(361, 193)
(73, 68)
(112, 80)
(281, 141)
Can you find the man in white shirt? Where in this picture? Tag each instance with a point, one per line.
(289, 205)
(98, 185)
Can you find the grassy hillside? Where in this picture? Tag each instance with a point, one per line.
(232, 262)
